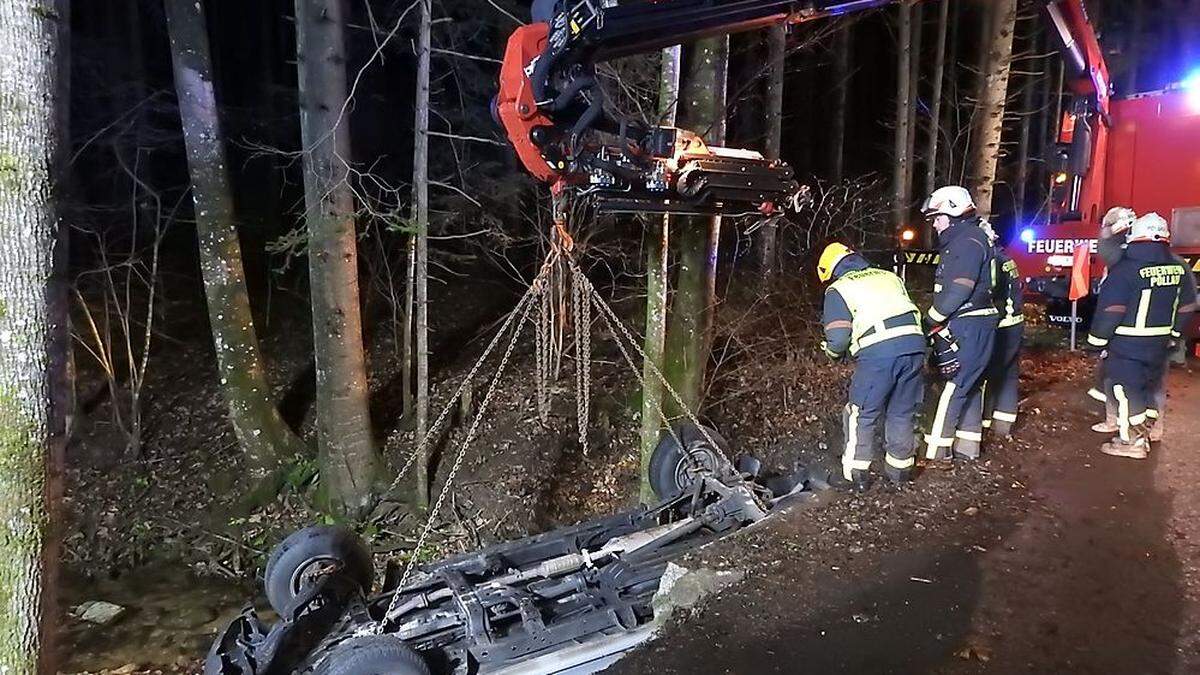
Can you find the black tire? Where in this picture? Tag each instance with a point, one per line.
(671, 472)
(298, 557)
(372, 655)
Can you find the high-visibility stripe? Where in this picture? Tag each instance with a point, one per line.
(848, 461)
(1096, 341)
(885, 334)
(1002, 416)
(1137, 419)
(1098, 395)
(1145, 331)
(987, 424)
(1152, 413)
(969, 436)
(1122, 412)
(1012, 320)
(986, 311)
(901, 463)
(937, 316)
(934, 439)
(1143, 307)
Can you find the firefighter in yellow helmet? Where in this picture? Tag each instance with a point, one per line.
(869, 316)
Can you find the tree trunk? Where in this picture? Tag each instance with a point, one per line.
(265, 438)
(776, 58)
(348, 458)
(702, 108)
(1027, 112)
(657, 284)
(29, 47)
(989, 116)
(841, 77)
(421, 221)
(903, 100)
(914, 97)
(935, 112)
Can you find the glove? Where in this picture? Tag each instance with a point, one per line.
(832, 355)
(944, 356)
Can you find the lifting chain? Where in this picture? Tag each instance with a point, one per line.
(581, 316)
(619, 331)
(524, 311)
(542, 359)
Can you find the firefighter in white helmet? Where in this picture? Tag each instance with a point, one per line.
(1145, 301)
(963, 306)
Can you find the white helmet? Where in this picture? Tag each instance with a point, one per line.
(1119, 219)
(1150, 227)
(952, 200)
(989, 231)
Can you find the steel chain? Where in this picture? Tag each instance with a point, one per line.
(581, 317)
(535, 289)
(458, 462)
(612, 320)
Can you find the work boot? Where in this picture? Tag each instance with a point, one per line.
(1157, 431)
(898, 477)
(1002, 429)
(1106, 427)
(1138, 449)
(966, 450)
(861, 481)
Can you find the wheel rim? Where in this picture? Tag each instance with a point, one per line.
(703, 461)
(312, 569)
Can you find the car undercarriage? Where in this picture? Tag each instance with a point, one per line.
(566, 601)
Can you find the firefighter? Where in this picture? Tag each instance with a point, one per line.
(1000, 395)
(1144, 304)
(869, 316)
(963, 307)
(1114, 230)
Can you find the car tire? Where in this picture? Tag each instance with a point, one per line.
(293, 562)
(372, 655)
(671, 472)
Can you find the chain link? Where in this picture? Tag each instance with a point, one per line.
(536, 289)
(581, 317)
(458, 462)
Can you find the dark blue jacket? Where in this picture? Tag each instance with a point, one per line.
(1009, 290)
(963, 280)
(1144, 302)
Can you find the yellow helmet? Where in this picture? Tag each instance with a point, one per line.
(830, 257)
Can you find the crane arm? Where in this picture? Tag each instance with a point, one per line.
(552, 109)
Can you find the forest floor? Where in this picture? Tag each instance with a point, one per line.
(1045, 557)
(162, 536)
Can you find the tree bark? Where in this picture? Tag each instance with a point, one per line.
(903, 100)
(776, 58)
(914, 97)
(29, 48)
(702, 108)
(989, 117)
(1027, 112)
(421, 221)
(657, 284)
(935, 112)
(841, 76)
(349, 461)
(262, 433)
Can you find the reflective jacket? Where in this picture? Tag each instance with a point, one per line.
(1144, 302)
(868, 313)
(1008, 290)
(963, 280)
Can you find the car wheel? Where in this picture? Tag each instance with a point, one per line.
(372, 655)
(310, 553)
(671, 470)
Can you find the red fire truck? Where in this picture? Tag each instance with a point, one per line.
(1140, 151)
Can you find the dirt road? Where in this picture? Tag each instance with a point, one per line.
(1053, 558)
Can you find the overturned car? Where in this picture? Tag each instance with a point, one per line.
(567, 601)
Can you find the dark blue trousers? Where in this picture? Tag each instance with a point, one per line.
(1000, 394)
(958, 420)
(891, 388)
(1136, 368)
